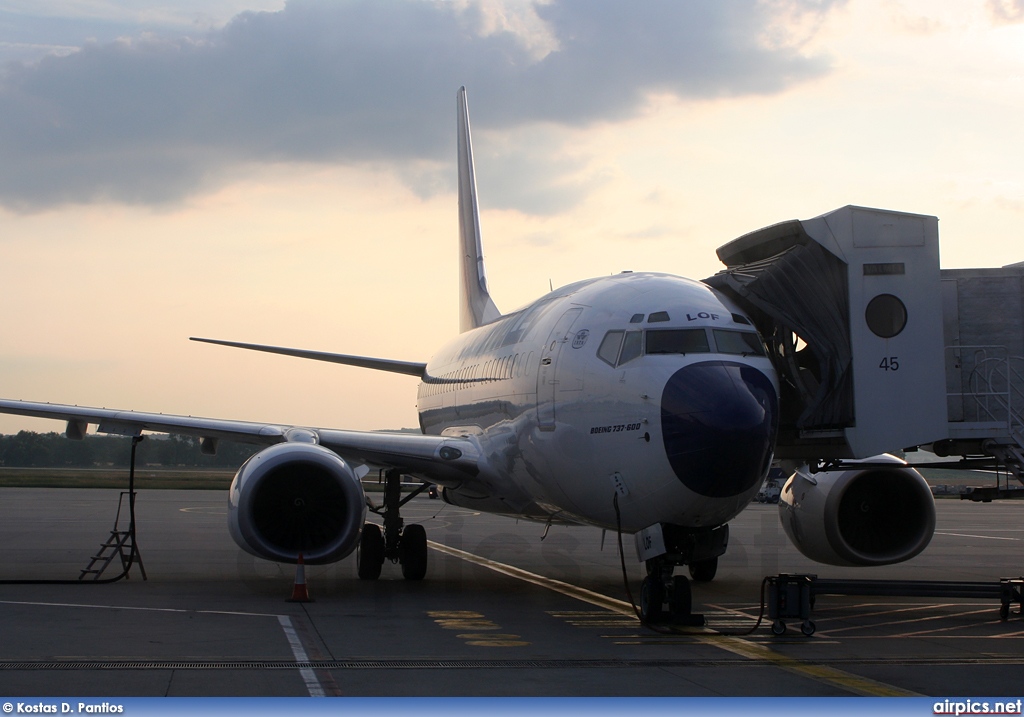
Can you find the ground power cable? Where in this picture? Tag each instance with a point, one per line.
(668, 629)
(132, 555)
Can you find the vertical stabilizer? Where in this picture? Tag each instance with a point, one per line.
(475, 305)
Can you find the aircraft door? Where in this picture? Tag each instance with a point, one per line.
(547, 378)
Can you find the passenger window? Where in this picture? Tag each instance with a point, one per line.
(746, 343)
(609, 349)
(677, 341)
(631, 347)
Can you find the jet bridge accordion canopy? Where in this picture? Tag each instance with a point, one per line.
(849, 304)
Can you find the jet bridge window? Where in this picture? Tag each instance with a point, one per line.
(677, 341)
(746, 343)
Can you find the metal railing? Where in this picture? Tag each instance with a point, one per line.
(993, 389)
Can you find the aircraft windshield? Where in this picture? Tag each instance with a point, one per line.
(677, 341)
(619, 347)
(746, 343)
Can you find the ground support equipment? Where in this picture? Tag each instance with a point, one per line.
(792, 596)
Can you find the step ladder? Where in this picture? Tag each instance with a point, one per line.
(119, 545)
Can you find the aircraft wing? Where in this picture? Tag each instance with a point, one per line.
(448, 461)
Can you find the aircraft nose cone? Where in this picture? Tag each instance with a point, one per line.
(718, 422)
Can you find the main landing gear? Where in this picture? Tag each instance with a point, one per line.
(398, 543)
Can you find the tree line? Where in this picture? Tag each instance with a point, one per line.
(28, 449)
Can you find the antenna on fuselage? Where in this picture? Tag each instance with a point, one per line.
(475, 305)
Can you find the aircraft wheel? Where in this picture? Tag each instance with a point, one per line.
(703, 571)
(778, 627)
(681, 603)
(370, 554)
(652, 595)
(412, 552)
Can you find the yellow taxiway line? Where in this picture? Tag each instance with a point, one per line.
(854, 684)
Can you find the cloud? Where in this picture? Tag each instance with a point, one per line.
(156, 118)
(1006, 11)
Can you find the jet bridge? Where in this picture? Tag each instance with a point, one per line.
(877, 349)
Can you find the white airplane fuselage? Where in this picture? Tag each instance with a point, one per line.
(675, 411)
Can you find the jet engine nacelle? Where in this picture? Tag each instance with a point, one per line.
(296, 498)
(872, 516)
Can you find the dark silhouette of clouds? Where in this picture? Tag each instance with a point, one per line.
(154, 119)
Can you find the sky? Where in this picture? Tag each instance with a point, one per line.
(284, 173)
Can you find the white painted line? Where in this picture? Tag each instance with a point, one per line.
(955, 627)
(966, 535)
(308, 674)
(98, 607)
(897, 622)
(142, 609)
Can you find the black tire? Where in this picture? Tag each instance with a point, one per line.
(652, 595)
(370, 554)
(807, 627)
(412, 552)
(778, 627)
(680, 605)
(704, 571)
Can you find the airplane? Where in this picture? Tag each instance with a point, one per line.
(643, 403)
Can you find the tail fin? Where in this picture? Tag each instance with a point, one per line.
(475, 305)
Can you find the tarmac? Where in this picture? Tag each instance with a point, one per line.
(503, 611)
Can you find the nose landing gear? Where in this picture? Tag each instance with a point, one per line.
(665, 597)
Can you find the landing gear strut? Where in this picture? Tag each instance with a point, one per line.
(399, 544)
(667, 597)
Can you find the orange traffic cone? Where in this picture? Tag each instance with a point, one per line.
(299, 592)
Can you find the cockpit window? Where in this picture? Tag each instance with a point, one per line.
(746, 343)
(677, 341)
(609, 349)
(632, 347)
(658, 316)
